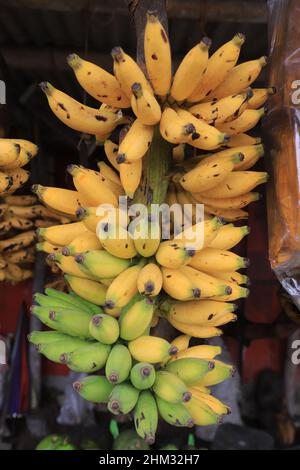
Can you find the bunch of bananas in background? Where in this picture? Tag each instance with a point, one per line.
(121, 285)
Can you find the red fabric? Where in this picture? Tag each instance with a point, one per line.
(263, 354)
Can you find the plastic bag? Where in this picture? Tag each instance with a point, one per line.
(282, 141)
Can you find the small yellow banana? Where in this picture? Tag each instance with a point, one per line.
(90, 217)
(237, 183)
(135, 143)
(6, 182)
(174, 129)
(144, 105)
(123, 288)
(47, 247)
(242, 139)
(213, 259)
(218, 67)
(84, 242)
(195, 312)
(130, 175)
(150, 280)
(173, 254)
(246, 121)
(19, 223)
(63, 235)
(64, 201)
(26, 145)
(111, 151)
(109, 173)
(232, 276)
(196, 331)
(190, 71)
(87, 289)
(229, 215)
(201, 234)
(260, 96)
(212, 402)
(18, 178)
(238, 202)
(116, 240)
(9, 151)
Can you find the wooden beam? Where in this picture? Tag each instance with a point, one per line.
(235, 11)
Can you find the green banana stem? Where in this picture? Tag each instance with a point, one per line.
(156, 164)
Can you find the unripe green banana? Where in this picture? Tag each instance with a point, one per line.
(87, 358)
(86, 304)
(53, 351)
(52, 302)
(175, 414)
(118, 364)
(42, 313)
(71, 321)
(146, 417)
(151, 349)
(73, 300)
(135, 320)
(218, 374)
(142, 375)
(190, 369)
(102, 264)
(46, 337)
(171, 388)
(122, 399)
(104, 328)
(50, 442)
(95, 388)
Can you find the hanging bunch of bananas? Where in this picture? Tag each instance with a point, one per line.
(143, 374)
(19, 216)
(121, 284)
(14, 155)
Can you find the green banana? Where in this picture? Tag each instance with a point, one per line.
(218, 374)
(54, 351)
(102, 264)
(171, 388)
(122, 399)
(46, 337)
(146, 417)
(50, 442)
(71, 321)
(87, 358)
(95, 388)
(118, 365)
(190, 369)
(104, 328)
(75, 301)
(142, 375)
(42, 313)
(52, 302)
(135, 320)
(86, 304)
(175, 414)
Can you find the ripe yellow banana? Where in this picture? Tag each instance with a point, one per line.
(205, 137)
(203, 351)
(18, 178)
(239, 78)
(135, 143)
(218, 374)
(197, 331)
(128, 72)
(26, 145)
(212, 402)
(88, 289)
(109, 173)
(123, 288)
(210, 172)
(92, 187)
(246, 121)
(260, 96)
(190, 71)
(174, 129)
(116, 240)
(130, 175)
(173, 254)
(201, 234)
(47, 247)
(213, 259)
(100, 84)
(218, 111)
(88, 216)
(144, 105)
(68, 265)
(206, 285)
(6, 182)
(232, 276)
(9, 152)
(242, 139)
(18, 242)
(157, 55)
(195, 312)
(64, 201)
(150, 280)
(63, 235)
(228, 215)
(24, 157)
(84, 242)
(238, 202)
(78, 116)
(111, 151)
(151, 349)
(229, 236)
(236, 292)
(26, 212)
(218, 67)
(201, 413)
(237, 183)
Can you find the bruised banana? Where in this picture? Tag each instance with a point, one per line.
(18, 242)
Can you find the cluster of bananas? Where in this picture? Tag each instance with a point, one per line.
(144, 374)
(14, 154)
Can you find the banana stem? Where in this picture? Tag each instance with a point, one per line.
(156, 164)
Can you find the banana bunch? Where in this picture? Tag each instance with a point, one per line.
(14, 155)
(143, 374)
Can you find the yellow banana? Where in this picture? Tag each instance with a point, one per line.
(201, 234)
(203, 351)
(237, 183)
(19, 223)
(157, 55)
(111, 151)
(173, 254)
(174, 129)
(123, 288)
(178, 153)
(116, 240)
(195, 312)
(64, 201)
(26, 212)
(78, 116)
(218, 374)
(205, 137)
(197, 331)
(150, 280)
(96, 81)
(18, 176)
(242, 139)
(6, 182)
(212, 402)
(218, 111)
(63, 235)
(181, 342)
(232, 276)
(109, 173)
(201, 413)
(246, 121)
(130, 175)
(9, 152)
(27, 200)
(68, 265)
(213, 259)
(88, 216)
(150, 349)
(236, 292)
(135, 143)
(18, 242)
(190, 71)
(87, 289)
(229, 236)
(210, 172)
(26, 145)
(228, 215)
(147, 242)
(128, 72)
(206, 285)
(24, 157)
(48, 247)
(239, 78)
(260, 96)
(84, 242)
(238, 202)
(144, 105)
(218, 67)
